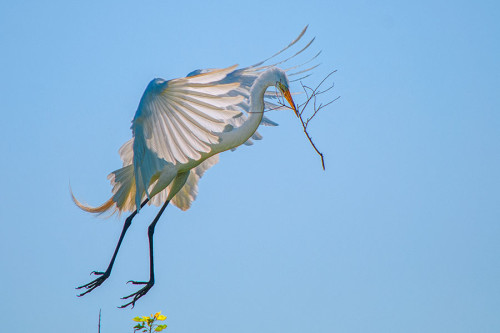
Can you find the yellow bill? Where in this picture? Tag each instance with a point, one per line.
(286, 93)
(288, 96)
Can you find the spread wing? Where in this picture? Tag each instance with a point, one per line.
(177, 120)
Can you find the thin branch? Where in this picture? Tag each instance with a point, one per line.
(302, 109)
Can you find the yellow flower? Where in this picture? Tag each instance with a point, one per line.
(150, 320)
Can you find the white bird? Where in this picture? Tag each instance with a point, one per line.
(180, 127)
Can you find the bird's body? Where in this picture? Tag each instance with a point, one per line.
(175, 143)
(179, 129)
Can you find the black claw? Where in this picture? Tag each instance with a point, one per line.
(137, 282)
(93, 284)
(80, 295)
(137, 295)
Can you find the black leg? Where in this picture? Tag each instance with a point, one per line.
(104, 275)
(143, 291)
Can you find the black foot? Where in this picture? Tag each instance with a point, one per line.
(141, 292)
(94, 284)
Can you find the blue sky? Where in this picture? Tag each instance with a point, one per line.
(399, 234)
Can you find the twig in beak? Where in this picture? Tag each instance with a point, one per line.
(311, 98)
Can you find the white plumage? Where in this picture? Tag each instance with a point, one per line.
(177, 128)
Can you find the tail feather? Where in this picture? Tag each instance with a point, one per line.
(108, 205)
(123, 197)
(123, 183)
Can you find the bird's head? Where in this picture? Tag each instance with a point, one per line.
(283, 87)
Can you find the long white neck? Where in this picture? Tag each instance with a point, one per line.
(240, 135)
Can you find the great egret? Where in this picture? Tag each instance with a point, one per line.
(179, 129)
